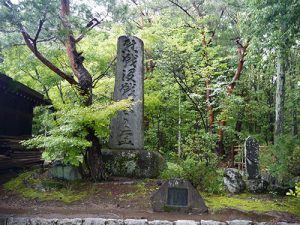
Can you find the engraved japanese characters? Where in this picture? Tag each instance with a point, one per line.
(127, 131)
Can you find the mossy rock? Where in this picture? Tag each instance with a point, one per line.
(133, 163)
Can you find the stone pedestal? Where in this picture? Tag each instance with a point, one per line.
(133, 163)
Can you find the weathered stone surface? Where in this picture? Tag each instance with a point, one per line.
(233, 181)
(257, 185)
(279, 189)
(177, 195)
(43, 221)
(66, 172)
(211, 222)
(252, 158)
(284, 223)
(135, 222)
(186, 222)
(3, 220)
(133, 163)
(75, 221)
(127, 131)
(17, 221)
(93, 221)
(160, 222)
(240, 222)
(114, 222)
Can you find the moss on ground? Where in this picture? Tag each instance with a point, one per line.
(69, 192)
(66, 192)
(254, 202)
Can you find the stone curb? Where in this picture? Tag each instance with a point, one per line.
(9, 220)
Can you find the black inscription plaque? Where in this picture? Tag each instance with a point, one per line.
(177, 196)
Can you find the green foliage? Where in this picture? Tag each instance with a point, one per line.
(58, 190)
(66, 139)
(295, 193)
(282, 159)
(199, 164)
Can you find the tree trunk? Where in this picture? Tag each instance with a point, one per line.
(280, 91)
(211, 114)
(293, 80)
(94, 162)
(242, 54)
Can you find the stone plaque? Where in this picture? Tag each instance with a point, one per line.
(127, 131)
(177, 195)
(252, 158)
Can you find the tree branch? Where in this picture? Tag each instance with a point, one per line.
(184, 88)
(242, 53)
(29, 41)
(93, 23)
(95, 81)
(183, 9)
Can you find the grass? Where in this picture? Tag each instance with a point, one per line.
(59, 190)
(254, 202)
(68, 192)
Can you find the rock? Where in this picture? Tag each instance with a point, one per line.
(211, 222)
(75, 221)
(257, 185)
(114, 222)
(65, 172)
(17, 221)
(240, 222)
(133, 163)
(177, 195)
(160, 222)
(284, 223)
(42, 221)
(3, 220)
(186, 222)
(233, 181)
(135, 222)
(279, 189)
(93, 221)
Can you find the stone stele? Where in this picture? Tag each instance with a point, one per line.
(252, 158)
(127, 131)
(177, 195)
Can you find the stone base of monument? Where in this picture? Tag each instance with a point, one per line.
(133, 163)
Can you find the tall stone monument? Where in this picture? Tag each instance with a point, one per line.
(126, 155)
(127, 131)
(252, 158)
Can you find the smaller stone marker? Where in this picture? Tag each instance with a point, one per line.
(177, 195)
(252, 158)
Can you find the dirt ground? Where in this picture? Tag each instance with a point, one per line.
(121, 199)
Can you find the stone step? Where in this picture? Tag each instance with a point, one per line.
(8, 220)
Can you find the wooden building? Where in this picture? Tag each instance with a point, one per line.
(16, 112)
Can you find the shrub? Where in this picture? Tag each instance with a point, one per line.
(199, 165)
(295, 193)
(282, 160)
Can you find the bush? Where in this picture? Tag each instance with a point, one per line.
(282, 160)
(295, 193)
(199, 165)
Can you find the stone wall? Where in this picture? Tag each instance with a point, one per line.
(4, 220)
